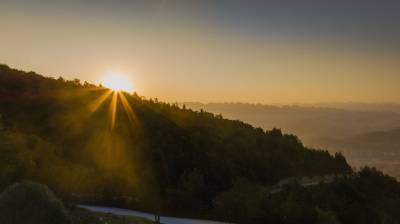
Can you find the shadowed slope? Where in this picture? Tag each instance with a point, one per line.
(153, 156)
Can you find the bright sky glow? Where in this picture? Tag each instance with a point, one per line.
(117, 82)
(269, 52)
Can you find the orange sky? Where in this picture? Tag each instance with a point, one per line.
(183, 58)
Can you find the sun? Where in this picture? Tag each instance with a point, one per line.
(117, 82)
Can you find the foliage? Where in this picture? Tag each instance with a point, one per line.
(367, 196)
(241, 203)
(164, 158)
(30, 202)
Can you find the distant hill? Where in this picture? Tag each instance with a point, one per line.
(383, 141)
(374, 107)
(153, 156)
(380, 149)
(311, 124)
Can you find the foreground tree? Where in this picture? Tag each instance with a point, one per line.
(32, 203)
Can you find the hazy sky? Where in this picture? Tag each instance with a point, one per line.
(248, 51)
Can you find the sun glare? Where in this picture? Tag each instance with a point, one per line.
(117, 82)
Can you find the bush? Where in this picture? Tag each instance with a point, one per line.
(241, 203)
(31, 203)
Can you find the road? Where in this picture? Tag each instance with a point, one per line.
(149, 216)
(279, 187)
(304, 182)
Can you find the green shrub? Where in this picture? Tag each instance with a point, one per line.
(31, 203)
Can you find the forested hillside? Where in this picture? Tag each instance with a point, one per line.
(91, 145)
(58, 132)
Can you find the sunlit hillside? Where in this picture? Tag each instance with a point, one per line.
(93, 145)
(97, 138)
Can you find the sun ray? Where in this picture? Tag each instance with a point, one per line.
(113, 109)
(98, 102)
(128, 109)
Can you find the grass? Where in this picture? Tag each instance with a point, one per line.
(83, 216)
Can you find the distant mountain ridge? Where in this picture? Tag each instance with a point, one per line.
(373, 107)
(310, 123)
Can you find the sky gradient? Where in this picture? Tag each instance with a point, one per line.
(214, 51)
